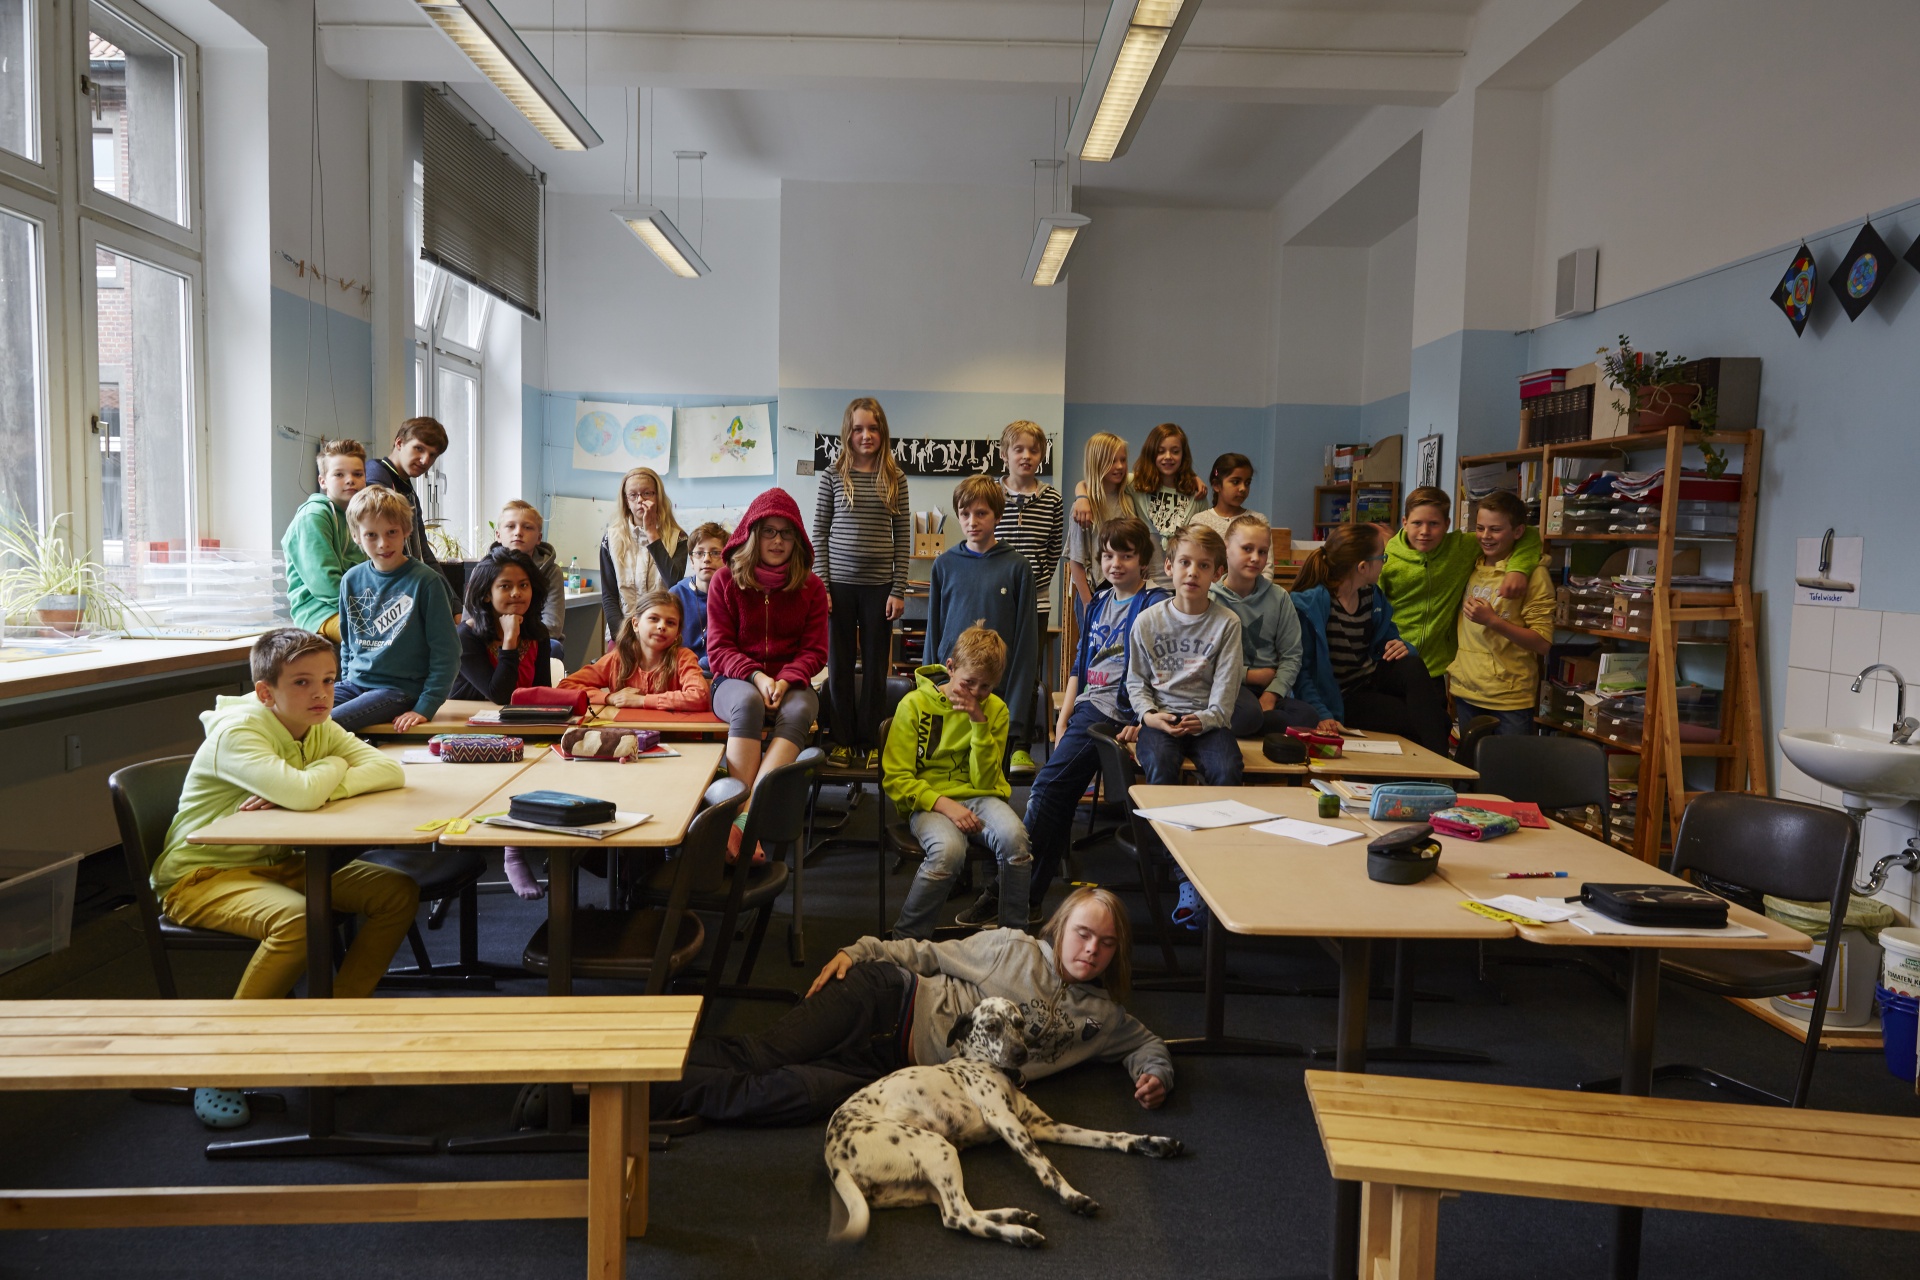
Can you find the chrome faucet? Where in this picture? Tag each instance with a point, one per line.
(1904, 726)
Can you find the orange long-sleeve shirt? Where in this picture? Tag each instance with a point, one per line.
(679, 687)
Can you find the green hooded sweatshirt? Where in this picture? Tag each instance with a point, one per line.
(248, 752)
(1426, 588)
(319, 548)
(934, 751)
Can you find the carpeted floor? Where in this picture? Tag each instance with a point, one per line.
(1251, 1200)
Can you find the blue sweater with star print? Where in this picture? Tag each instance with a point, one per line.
(396, 632)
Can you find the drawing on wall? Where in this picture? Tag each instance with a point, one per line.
(1857, 280)
(1429, 472)
(725, 440)
(1794, 294)
(931, 456)
(620, 437)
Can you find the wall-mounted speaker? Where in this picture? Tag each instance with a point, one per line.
(1573, 291)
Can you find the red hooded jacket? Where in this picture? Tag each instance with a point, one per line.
(783, 633)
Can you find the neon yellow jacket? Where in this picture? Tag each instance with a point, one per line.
(1491, 671)
(248, 752)
(934, 751)
(1426, 588)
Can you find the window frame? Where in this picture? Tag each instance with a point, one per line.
(38, 171)
(433, 350)
(45, 216)
(104, 204)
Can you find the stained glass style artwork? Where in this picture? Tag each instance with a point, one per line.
(1857, 280)
(1794, 293)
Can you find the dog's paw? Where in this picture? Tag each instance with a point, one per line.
(1157, 1148)
(1025, 1237)
(1085, 1206)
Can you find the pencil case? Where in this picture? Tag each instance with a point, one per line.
(1405, 855)
(1410, 801)
(1320, 746)
(1673, 906)
(559, 809)
(1467, 823)
(607, 742)
(476, 748)
(575, 700)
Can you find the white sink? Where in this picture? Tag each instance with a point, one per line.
(1872, 772)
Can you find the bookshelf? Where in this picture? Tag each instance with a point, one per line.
(1682, 626)
(1362, 500)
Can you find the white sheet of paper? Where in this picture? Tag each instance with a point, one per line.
(1595, 923)
(1207, 814)
(1373, 748)
(1542, 909)
(1311, 832)
(418, 755)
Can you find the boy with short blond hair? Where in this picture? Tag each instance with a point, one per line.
(706, 551)
(275, 747)
(397, 639)
(1034, 524)
(985, 578)
(942, 767)
(318, 543)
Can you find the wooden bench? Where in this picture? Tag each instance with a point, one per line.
(614, 1045)
(1408, 1141)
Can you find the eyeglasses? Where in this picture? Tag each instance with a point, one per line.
(785, 535)
(1379, 559)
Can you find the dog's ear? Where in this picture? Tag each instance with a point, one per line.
(962, 1027)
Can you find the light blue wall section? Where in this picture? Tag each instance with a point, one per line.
(1463, 388)
(1837, 403)
(1385, 417)
(322, 388)
(556, 411)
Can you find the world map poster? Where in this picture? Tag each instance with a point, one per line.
(619, 437)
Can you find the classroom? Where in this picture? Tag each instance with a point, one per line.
(1003, 693)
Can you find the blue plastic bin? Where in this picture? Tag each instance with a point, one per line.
(1899, 1019)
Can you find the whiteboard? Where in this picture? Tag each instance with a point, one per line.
(574, 526)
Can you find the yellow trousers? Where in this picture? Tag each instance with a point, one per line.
(331, 628)
(269, 902)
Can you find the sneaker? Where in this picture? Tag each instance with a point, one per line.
(1023, 763)
(840, 757)
(984, 911)
(1033, 917)
(873, 759)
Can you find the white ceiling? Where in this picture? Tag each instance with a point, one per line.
(965, 91)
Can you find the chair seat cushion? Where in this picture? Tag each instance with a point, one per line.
(619, 944)
(440, 872)
(1747, 974)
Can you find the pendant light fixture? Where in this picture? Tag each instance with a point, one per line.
(496, 49)
(649, 222)
(1054, 234)
(1136, 45)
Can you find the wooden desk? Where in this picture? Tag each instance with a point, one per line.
(115, 661)
(616, 1044)
(1414, 761)
(668, 789)
(452, 718)
(1255, 883)
(1253, 764)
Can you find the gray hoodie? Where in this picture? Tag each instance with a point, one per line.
(1067, 1022)
(1269, 631)
(1186, 665)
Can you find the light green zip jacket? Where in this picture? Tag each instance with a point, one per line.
(1427, 587)
(934, 751)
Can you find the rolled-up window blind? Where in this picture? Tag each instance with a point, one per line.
(480, 213)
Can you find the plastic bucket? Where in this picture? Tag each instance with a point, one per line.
(1899, 1019)
(1858, 967)
(1900, 972)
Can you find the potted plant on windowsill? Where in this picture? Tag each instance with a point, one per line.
(1657, 398)
(44, 584)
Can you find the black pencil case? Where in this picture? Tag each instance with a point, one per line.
(559, 809)
(1657, 906)
(535, 715)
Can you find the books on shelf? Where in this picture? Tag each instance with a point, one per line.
(1542, 382)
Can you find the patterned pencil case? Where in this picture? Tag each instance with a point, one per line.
(476, 748)
(1466, 823)
(1320, 746)
(607, 742)
(1410, 801)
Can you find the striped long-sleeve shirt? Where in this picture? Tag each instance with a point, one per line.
(1035, 525)
(861, 543)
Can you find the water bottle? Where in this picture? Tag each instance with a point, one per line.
(573, 574)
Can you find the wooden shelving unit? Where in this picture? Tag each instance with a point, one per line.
(1739, 750)
(1381, 494)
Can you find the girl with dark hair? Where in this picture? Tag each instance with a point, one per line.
(503, 643)
(1355, 670)
(1230, 478)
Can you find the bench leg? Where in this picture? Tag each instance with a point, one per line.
(607, 1140)
(1399, 1229)
(637, 1148)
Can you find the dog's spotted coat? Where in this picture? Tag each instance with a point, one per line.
(896, 1142)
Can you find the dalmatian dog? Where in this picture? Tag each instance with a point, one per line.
(896, 1142)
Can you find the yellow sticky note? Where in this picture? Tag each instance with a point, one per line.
(458, 827)
(1495, 913)
(435, 825)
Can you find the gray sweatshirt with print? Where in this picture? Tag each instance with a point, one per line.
(1186, 664)
(1067, 1022)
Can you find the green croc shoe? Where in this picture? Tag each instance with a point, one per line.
(221, 1108)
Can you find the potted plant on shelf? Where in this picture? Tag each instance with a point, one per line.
(44, 584)
(1657, 398)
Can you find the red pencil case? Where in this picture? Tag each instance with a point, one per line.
(1320, 746)
(541, 696)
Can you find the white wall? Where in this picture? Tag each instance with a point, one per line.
(1319, 325)
(1171, 307)
(1720, 128)
(1387, 341)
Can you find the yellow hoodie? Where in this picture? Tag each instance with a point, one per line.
(1491, 671)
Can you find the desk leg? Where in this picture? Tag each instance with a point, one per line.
(1355, 956)
(1636, 1081)
(1402, 1047)
(1216, 1040)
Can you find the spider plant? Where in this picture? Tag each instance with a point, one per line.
(36, 564)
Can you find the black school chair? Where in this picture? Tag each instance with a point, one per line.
(1556, 772)
(444, 874)
(895, 844)
(1785, 848)
(855, 778)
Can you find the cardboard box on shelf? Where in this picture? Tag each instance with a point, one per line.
(1382, 461)
(1608, 422)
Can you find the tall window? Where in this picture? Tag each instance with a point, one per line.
(450, 326)
(99, 204)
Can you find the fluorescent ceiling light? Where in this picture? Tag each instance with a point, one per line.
(1053, 240)
(1136, 44)
(477, 30)
(657, 232)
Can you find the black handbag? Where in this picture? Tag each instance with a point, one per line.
(559, 809)
(1657, 906)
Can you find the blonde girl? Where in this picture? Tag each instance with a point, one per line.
(1163, 490)
(860, 523)
(643, 548)
(647, 666)
(1104, 495)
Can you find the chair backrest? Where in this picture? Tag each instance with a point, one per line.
(700, 864)
(1782, 847)
(780, 797)
(897, 688)
(146, 796)
(1117, 771)
(1478, 728)
(1554, 773)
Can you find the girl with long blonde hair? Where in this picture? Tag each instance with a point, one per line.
(1103, 492)
(644, 549)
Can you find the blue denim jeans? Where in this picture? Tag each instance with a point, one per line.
(1250, 721)
(354, 707)
(944, 847)
(1056, 792)
(1517, 721)
(1215, 753)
